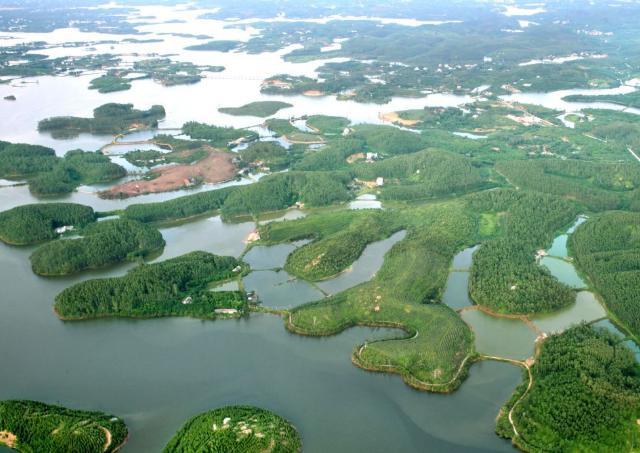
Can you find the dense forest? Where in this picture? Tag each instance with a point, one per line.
(236, 429)
(76, 168)
(280, 191)
(505, 276)
(266, 154)
(107, 119)
(175, 287)
(216, 135)
(424, 174)
(101, 244)
(585, 396)
(333, 253)
(597, 186)
(48, 174)
(179, 208)
(109, 83)
(607, 248)
(33, 223)
(217, 46)
(19, 160)
(40, 427)
(271, 193)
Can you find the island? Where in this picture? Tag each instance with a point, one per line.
(107, 119)
(175, 287)
(100, 244)
(260, 109)
(33, 223)
(48, 174)
(217, 46)
(236, 428)
(34, 426)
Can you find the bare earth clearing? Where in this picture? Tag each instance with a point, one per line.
(215, 168)
(393, 117)
(8, 439)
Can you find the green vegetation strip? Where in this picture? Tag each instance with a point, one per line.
(334, 249)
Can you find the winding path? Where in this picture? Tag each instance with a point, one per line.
(108, 440)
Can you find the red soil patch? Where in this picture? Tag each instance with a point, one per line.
(215, 168)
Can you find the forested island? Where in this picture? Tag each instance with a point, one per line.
(48, 174)
(107, 119)
(236, 428)
(460, 180)
(175, 287)
(101, 244)
(33, 426)
(584, 395)
(261, 109)
(30, 224)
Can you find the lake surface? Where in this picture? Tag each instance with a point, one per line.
(158, 373)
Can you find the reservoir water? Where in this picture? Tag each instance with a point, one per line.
(158, 373)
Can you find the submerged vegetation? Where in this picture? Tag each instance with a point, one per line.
(236, 428)
(32, 426)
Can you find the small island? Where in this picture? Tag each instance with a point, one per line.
(107, 119)
(48, 174)
(244, 429)
(216, 46)
(31, 426)
(175, 287)
(34, 223)
(260, 109)
(101, 244)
